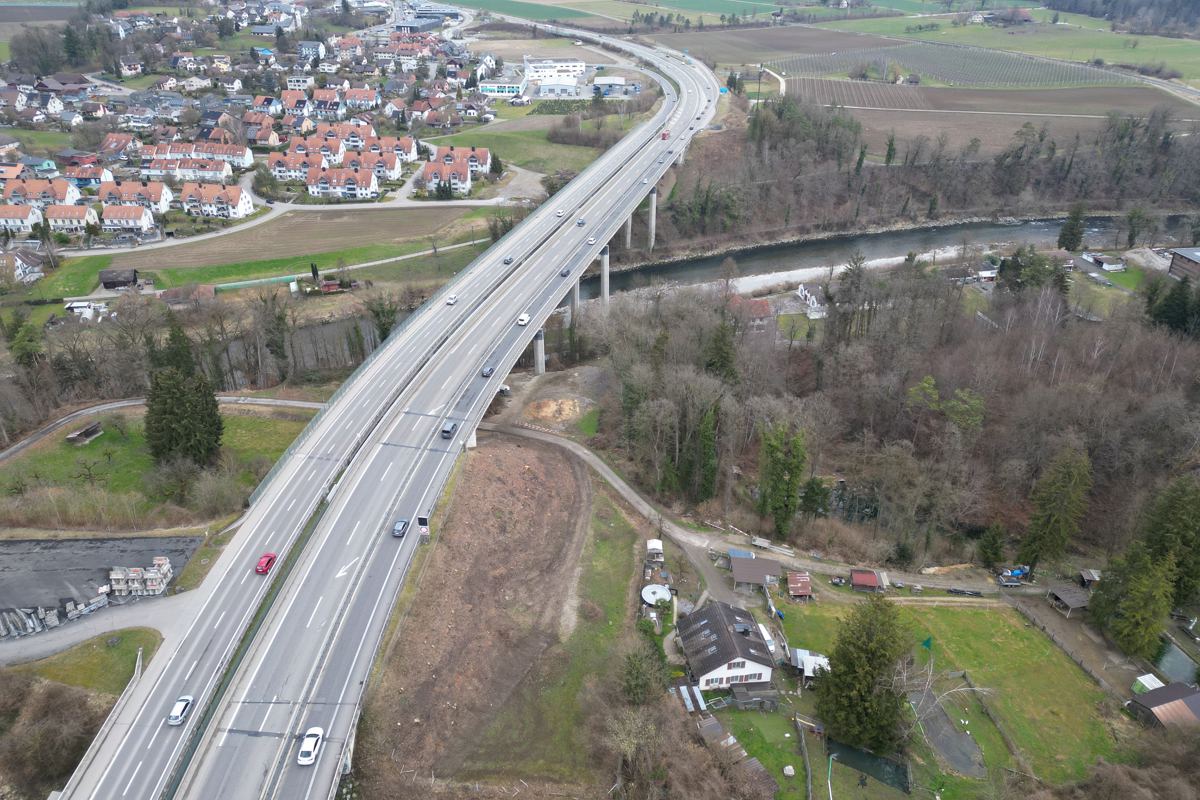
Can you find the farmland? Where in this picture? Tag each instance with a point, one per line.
(1077, 38)
(954, 66)
(519, 8)
(741, 46)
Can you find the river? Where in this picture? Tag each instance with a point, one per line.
(809, 261)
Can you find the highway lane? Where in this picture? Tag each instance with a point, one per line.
(251, 747)
(144, 751)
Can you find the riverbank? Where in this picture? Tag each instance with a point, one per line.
(735, 249)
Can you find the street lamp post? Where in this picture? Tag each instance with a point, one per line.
(829, 774)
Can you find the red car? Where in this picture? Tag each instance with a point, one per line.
(265, 563)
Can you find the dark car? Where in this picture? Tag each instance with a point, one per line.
(508, 259)
(400, 528)
(487, 372)
(565, 271)
(449, 429)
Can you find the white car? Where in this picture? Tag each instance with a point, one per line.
(559, 213)
(310, 745)
(180, 710)
(452, 299)
(592, 240)
(523, 320)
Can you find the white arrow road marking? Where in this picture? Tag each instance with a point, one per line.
(342, 572)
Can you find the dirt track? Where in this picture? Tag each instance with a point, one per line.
(492, 597)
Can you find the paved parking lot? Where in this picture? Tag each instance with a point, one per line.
(44, 572)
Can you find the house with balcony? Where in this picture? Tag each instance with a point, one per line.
(126, 219)
(215, 200)
(41, 193)
(155, 196)
(20, 219)
(346, 184)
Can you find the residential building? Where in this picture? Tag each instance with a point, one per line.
(117, 278)
(24, 265)
(310, 50)
(362, 99)
(298, 81)
(295, 166)
(10, 172)
(349, 184)
(294, 101)
(478, 158)
(238, 156)
(547, 69)
(153, 195)
(868, 580)
(137, 219)
(456, 174)
(195, 84)
(333, 149)
(130, 67)
(119, 147)
(386, 166)
(215, 200)
(724, 647)
(188, 169)
(41, 193)
(754, 573)
(230, 85)
(89, 176)
(265, 104)
(70, 219)
(19, 219)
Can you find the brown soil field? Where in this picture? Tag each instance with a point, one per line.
(1082, 101)
(489, 601)
(512, 50)
(299, 233)
(767, 44)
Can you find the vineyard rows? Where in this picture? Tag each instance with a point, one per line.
(955, 66)
(859, 94)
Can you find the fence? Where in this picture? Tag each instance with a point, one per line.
(1066, 648)
(1009, 742)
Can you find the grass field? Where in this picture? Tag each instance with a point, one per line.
(518, 8)
(528, 149)
(757, 45)
(122, 463)
(96, 665)
(540, 730)
(40, 141)
(1071, 42)
(76, 276)
(771, 738)
(290, 240)
(1132, 278)
(1046, 702)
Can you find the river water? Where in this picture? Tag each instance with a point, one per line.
(809, 261)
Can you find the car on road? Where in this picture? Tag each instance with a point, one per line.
(508, 259)
(559, 213)
(180, 710)
(488, 372)
(523, 320)
(591, 240)
(565, 271)
(310, 745)
(662, 161)
(645, 180)
(451, 299)
(580, 222)
(265, 562)
(692, 128)
(400, 528)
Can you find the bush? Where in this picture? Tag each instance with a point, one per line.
(215, 493)
(49, 736)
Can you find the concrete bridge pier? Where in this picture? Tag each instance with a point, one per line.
(574, 300)
(629, 231)
(603, 278)
(539, 353)
(653, 217)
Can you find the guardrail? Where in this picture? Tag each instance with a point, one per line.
(93, 750)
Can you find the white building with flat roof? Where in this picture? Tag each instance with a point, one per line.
(505, 86)
(546, 69)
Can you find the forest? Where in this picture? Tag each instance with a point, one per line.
(801, 168)
(908, 425)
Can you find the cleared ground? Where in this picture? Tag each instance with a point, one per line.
(298, 234)
(767, 44)
(516, 606)
(990, 114)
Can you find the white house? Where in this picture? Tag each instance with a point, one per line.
(724, 647)
(155, 196)
(347, 184)
(70, 219)
(127, 218)
(298, 82)
(19, 219)
(310, 50)
(215, 200)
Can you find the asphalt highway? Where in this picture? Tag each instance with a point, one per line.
(375, 454)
